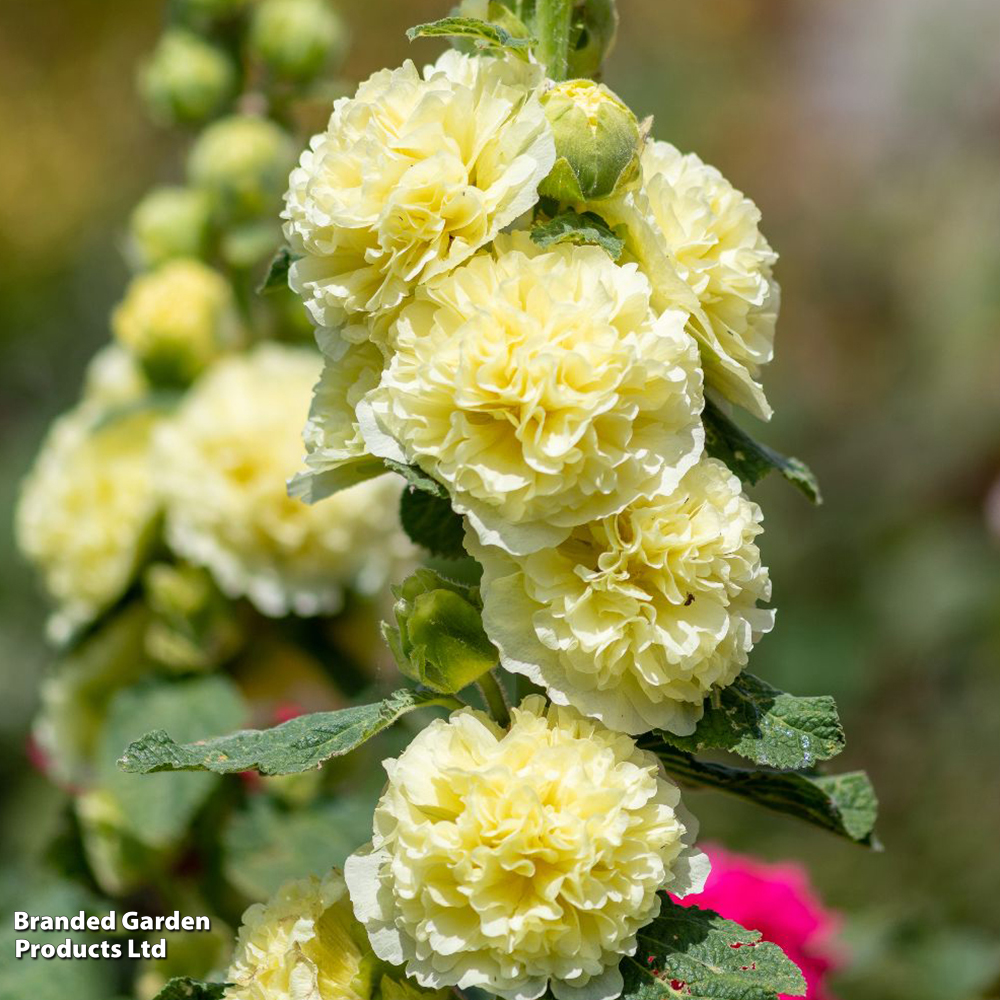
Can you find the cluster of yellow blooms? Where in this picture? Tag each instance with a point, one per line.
(556, 391)
(555, 388)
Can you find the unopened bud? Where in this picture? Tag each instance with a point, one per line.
(598, 142)
(187, 79)
(297, 39)
(439, 639)
(169, 222)
(243, 162)
(176, 320)
(193, 627)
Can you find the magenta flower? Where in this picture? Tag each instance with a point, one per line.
(779, 901)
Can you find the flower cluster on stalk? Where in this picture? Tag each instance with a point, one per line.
(554, 389)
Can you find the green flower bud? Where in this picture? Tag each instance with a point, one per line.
(439, 639)
(297, 39)
(193, 626)
(119, 862)
(598, 142)
(243, 162)
(169, 222)
(592, 36)
(187, 79)
(176, 320)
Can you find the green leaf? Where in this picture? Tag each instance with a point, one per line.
(749, 459)
(158, 811)
(483, 33)
(571, 227)
(191, 989)
(696, 954)
(277, 272)
(416, 477)
(297, 745)
(767, 726)
(266, 845)
(844, 804)
(430, 521)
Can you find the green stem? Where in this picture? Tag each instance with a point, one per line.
(495, 699)
(552, 23)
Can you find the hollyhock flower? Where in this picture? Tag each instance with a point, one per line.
(524, 859)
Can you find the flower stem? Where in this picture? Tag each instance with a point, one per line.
(496, 700)
(552, 23)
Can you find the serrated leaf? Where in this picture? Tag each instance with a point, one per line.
(696, 954)
(277, 271)
(767, 726)
(430, 522)
(266, 845)
(416, 477)
(184, 988)
(157, 812)
(483, 33)
(297, 745)
(844, 804)
(750, 459)
(580, 230)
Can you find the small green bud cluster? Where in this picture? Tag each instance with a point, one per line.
(438, 639)
(297, 39)
(187, 79)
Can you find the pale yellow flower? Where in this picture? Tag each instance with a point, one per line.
(222, 464)
(303, 944)
(635, 618)
(177, 319)
(87, 510)
(333, 440)
(412, 176)
(688, 221)
(541, 389)
(519, 860)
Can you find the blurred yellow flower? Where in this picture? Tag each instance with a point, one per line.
(518, 860)
(412, 176)
(222, 463)
(87, 510)
(303, 944)
(635, 618)
(177, 319)
(541, 389)
(689, 221)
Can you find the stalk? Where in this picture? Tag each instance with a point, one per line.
(552, 23)
(495, 699)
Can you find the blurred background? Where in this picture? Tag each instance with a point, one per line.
(869, 135)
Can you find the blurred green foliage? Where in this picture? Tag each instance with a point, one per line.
(869, 135)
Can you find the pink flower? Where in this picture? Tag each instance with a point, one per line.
(779, 901)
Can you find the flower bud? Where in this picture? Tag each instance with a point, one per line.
(169, 222)
(193, 626)
(187, 79)
(117, 860)
(439, 640)
(243, 162)
(176, 320)
(297, 39)
(595, 25)
(598, 142)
